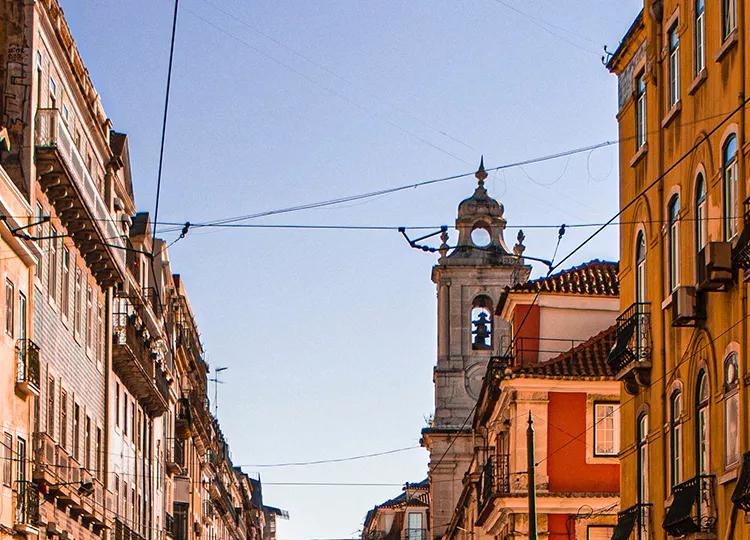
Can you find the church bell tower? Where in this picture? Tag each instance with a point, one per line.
(470, 277)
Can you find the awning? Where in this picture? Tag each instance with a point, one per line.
(679, 520)
(741, 494)
(625, 523)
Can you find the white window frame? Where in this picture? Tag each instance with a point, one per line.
(640, 110)
(599, 422)
(700, 36)
(673, 244)
(728, 18)
(730, 173)
(673, 40)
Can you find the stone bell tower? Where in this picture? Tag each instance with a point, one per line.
(470, 277)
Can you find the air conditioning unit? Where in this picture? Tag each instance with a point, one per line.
(714, 266)
(687, 306)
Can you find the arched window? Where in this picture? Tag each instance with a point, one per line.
(701, 232)
(730, 174)
(731, 412)
(675, 437)
(481, 323)
(702, 437)
(643, 473)
(640, 272)
(674, 242)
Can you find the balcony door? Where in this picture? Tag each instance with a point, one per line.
(414, 526)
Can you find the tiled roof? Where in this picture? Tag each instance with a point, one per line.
(587, 360)
(596, 277)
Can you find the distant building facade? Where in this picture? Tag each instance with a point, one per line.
(405, 517)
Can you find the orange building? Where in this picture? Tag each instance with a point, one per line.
(559, 374)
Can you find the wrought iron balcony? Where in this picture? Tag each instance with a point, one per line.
(414, 534)
(27, 367)
(634, 523)
(45, 459)
(741, 250)
(184, 420)
(27, 506)
(220, 494)
(693, 508)
(741, 494)
(175, 457)
(65, 178)
(494, 480)
(630, 358)
(133, 361)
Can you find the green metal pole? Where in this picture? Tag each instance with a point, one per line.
(532, 481)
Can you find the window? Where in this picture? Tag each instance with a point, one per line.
(52, 93)
(65, 301)
(674, 243)
(8, 459)
(117, 404)
(76, 431)
(53, 264)
(674, 66)
(700, 36)
(89, 318)
(643, 468)
(133, 433)
(124, 414)
(414, 524)
(21, 460)
(22, 314)
(606, 429)
(481, 323)
(98, 453)
(731, 412)
(10, 298)
(675, 437)
(87, 444)
(640, 110)
(99, 333)
(729, 17)
(51, 407)
(730, 173)
(77, 305)
(39, 232)
(64, 419)
(700, 213)
(640, 273)
(702, 424)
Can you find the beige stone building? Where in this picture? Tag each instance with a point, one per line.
(405, 517)
(469, 280)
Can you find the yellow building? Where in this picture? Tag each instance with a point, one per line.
(681, 346)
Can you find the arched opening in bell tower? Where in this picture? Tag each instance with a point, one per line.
(481, 323)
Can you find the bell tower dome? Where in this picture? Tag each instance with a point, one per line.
(470, 277)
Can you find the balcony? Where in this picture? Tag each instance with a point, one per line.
(26, 520)
(634, 523)
(134, 363)
(175, 457)
(220, 495)
(414, 534)
(184, 420)
(494, 481)
(27, 368)
(70, 188)
(741, 250)
(630, 358)
(741, 494)
(45, 459)
(693, 508)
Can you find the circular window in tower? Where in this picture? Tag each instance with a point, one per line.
(480, 236)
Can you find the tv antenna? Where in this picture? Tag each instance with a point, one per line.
(215, 379)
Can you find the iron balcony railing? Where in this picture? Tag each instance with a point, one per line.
(693, 508)
(634, 523)
(52, 133)
(27, 363)
(27, 503)
(414, 534)
(633, 339)
(495, 479)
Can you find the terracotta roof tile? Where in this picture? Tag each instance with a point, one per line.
(596, 277)
(587, 360)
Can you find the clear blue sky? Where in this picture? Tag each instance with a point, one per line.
(329, 336)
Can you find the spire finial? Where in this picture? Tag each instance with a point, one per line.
(481, 174)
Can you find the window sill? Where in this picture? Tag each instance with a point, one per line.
(642, 151)
(674, 111)
(730, 475)
(698, 81)
(667, 302)
(729, 44)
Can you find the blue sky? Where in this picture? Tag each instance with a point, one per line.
(329, 336)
